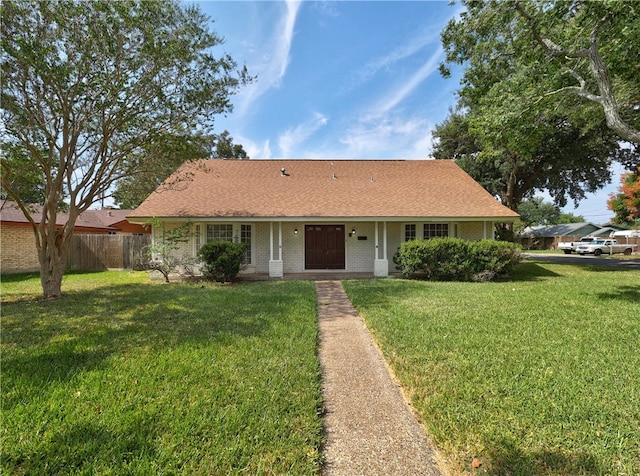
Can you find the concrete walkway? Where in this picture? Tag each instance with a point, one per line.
(369, 427)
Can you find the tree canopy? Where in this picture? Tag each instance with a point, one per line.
(566, 55)
(535, 211)
(568, 160)
(159, 159)
(156, 161)
(529, 119)
(226, 149)
(626, 203)
(89, 85)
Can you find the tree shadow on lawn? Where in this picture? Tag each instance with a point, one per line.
(506, 458)
(73, 449)
(529, 271)
(623, 293)
(47, 342)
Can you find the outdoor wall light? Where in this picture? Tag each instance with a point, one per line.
(353, 232)
(295, 232)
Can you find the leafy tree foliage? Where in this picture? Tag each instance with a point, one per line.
(570, 218)
(560, 55)
(21, 175)
(159, 159)
(155, 161)
(165, 254)
(626, 204)
(226, 149)
(535, 211)
(89, 85)
(567, 159)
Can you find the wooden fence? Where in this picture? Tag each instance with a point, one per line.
(100, 252)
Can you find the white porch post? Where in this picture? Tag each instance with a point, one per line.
(276, 269)
(381, 265)
(271, 241)
(376, 240)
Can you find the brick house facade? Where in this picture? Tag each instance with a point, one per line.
(300, 216)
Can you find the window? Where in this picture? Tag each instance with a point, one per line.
(245, 237)
(219, 233)
(436, 230)
(225, 232)
(410, 232)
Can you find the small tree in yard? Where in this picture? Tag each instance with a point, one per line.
(164, 255)
(88, 86)
(222, 260)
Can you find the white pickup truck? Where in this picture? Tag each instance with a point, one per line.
(570, 246)
(598, 247)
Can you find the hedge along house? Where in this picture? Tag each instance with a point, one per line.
(299, 216)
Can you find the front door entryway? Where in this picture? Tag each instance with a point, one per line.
(324, 247)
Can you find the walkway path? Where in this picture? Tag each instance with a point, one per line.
(369, 427)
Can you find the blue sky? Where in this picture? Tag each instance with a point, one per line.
(342, 80)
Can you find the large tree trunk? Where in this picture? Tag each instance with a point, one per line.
(51, 278)
(52, 245)
(53, 261)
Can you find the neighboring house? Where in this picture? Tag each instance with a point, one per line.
(625, 234)
(116, 221)
(17, 242)
(298, 216)
(547, 237)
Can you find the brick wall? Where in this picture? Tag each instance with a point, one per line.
(18, 250)
(359, 253)
(475, 230)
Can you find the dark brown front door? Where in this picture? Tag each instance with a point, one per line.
(324, 247)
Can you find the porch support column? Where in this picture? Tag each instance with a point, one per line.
(381, 265)
(276, 269)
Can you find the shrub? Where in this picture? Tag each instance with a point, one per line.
(453, 259)
(222, 260)
(164, 254)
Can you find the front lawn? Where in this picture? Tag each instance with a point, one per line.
(538, 375)
(124, 376)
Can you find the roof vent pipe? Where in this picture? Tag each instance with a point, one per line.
(283, 172)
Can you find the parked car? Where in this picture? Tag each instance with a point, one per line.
(570, 246)
(597, 247)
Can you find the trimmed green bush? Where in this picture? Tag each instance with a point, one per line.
(453, 259)
(222, 260)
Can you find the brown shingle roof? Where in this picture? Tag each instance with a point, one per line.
(100, 220)
(321, 188)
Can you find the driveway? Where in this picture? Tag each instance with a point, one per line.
(587, 260)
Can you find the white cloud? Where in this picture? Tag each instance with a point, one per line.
(403, 90)
(255, 150)
(273, 64)
(390, 138)
(293, 137)
(414, 46)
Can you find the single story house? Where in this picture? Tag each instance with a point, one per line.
(547, 237)
(17, 242)
(298, 216)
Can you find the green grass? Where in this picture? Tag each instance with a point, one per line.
(124, 376)
(538, 375)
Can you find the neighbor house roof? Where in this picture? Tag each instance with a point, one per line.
(321, 188)
(564, 229)
(90, 220)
